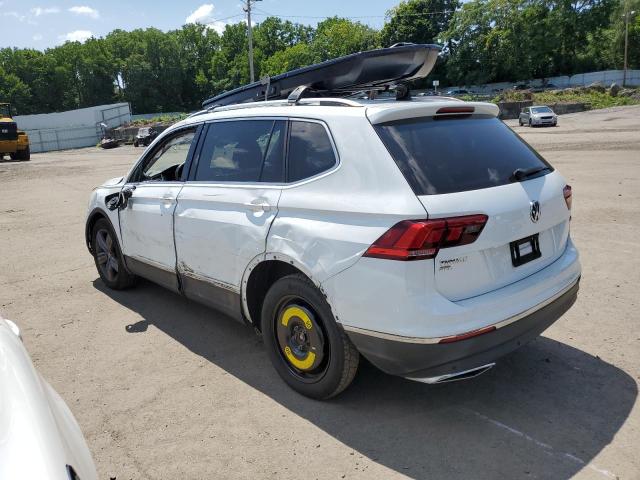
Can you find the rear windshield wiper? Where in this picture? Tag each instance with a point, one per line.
(520, 174)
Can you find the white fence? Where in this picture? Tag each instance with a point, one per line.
(606, 78)
(71, 129)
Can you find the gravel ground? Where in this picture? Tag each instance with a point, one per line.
(164, 388)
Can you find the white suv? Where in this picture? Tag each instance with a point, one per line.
(424, 234)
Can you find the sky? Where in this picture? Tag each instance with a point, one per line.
(45, 24)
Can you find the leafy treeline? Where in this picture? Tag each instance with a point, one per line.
(484, 41)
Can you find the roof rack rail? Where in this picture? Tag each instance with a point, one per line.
(364, 71)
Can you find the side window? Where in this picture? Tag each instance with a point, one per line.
(243, 151)
(310, 150)
(166, 163)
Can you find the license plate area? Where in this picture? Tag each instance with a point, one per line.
(525, 250)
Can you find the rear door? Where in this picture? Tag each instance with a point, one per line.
(226, 208)
(469, 164)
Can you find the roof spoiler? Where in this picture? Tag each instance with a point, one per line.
(371, 70)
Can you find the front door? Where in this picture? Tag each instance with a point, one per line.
(146, 223)
(226, 208)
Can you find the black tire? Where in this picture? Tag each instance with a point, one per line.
(519, 122)
(13, 156)
(24, 154)
(530, 123)
(108, 257)
(335, 361)
(135, 143)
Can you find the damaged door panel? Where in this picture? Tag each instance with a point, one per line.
(226, 208)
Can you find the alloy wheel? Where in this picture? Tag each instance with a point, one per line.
(106, 255)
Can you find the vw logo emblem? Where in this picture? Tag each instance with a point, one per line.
(535, 212)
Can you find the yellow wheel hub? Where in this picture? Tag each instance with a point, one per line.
(299, 338)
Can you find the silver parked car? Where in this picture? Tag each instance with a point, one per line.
(537, 116)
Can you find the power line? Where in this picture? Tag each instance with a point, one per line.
(262, 12)
(223, 19)
(422, 14)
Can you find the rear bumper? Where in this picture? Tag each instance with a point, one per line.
(424, 361)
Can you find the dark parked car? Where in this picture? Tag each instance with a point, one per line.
(458, 91)
(145, 136)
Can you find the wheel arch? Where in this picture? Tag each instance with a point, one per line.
(260, 275)
(95, 215)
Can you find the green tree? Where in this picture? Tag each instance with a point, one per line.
(297, 56)
(607, 45)
(417, 21)
(13, 90)
(229, 67)
(197, 44)
(335, 37)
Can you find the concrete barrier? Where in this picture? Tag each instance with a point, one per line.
(512, 109)
(605, 77)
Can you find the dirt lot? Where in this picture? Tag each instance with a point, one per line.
(164, 388)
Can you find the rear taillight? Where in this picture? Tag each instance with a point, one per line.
(421, 239)
(566, 191)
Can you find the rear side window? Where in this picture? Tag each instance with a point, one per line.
(455, 155)
(310, 150)
(243, 151)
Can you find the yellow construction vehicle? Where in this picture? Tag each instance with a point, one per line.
(12, 141)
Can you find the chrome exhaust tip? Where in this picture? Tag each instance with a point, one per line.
(454, 377)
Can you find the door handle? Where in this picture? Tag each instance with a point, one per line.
(258, 206)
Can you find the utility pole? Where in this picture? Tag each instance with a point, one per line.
(247, 9)
(626, 45)
(626, 42)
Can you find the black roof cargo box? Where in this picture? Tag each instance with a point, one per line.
(352, 73)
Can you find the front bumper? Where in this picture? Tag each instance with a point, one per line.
(544, 121)
(424, 361)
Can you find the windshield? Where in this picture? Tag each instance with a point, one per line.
(143, 131)
(457, 154)
(541, 110)
(5, 110)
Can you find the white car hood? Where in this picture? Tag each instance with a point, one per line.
(112, 182)
(38, 435)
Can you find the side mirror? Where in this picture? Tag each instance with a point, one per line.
(119, 200)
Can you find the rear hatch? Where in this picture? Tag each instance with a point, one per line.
(467, 162)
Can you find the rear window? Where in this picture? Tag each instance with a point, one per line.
(310, 150)
(450, 155)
